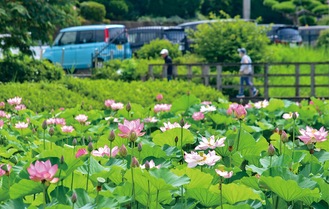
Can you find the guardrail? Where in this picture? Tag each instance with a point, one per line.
(305, 77)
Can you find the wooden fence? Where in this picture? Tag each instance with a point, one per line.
(308, 76)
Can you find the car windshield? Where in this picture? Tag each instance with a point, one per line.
(288, 31)
(174, 36)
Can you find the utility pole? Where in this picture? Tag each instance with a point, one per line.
(246, 9)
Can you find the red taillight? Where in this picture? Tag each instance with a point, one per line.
(107, 35)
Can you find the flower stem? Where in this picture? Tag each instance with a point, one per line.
(293, 140)
(181, 141)
(72, 180)
(88, 172)
(221, 192)
(44, 139)
(110, 149)
(157, 199)
(44, 195)
(149, 194)
(270, 165)
(237, 146)
(133, 186)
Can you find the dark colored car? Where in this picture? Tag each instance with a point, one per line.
(144, 35)
(285, 35)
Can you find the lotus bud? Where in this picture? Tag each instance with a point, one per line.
(230, 148)
(74, 197)
(90, 147)
(271, 150)
(284, 137)
(294, 115)
(182, 122)
(140, 147)
(44, 125)
(134, 162)
(147, 165)
(112, 136)
(159, 97)
(61, 161)
(176, 139)
(51, 131)
(74, 142)
(123, 151)
(128, 107)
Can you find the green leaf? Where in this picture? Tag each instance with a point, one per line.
(288, 189)
(168, 137)
(274, 104)
(83, 199)
(183, 103)
(95, 167)
(25, 187)
(198, 178)
(169, 177)
(234, 193)
(107, 203)
(59, 206)
(204, 196)
(324, 188)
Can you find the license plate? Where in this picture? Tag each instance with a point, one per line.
(119, 47)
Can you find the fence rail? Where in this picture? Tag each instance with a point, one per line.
(308, 77)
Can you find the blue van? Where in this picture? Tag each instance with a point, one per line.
(81, 47)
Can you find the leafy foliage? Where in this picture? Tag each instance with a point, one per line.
(152, 50)
(92, 11)
(323, 40)
(219, 41)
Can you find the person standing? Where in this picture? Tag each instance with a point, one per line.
(246, 73)
(168, 61)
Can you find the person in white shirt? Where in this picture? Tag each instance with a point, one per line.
(246, 73)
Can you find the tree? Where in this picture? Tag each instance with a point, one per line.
(92, 11)
(301, 12)
(23, 22)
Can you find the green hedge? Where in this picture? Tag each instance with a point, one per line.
(71, 92)
(92, 10)
(26, 69)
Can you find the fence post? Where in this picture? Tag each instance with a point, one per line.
(219, 78)
(174, 71)
(297, 70)
(164, 71)
(313, 80)
(205, 74)
(266, 96)
(150, 72)
(189, 72)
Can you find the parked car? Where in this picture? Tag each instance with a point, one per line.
(310, 34)
(283, 34)
(144, 35)
(79, 47)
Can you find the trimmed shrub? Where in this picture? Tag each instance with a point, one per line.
(219, 41)
(14, 69)
(323, 40)
(71, 92)
(92, 11)
(152, 50)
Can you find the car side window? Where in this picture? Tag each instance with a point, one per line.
(86, 37)
(99, 36)
(68, 38)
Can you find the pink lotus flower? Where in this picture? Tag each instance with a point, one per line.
(238, 110)
(1, 123)
(20, 107)
(105, 151)
(261, 104)
(15, 101)
(310, 135)
(3, 114)
(168, 126)
(162, 108)
(81, 118)
(207, 108)
(150, 120)
(117, 106)
(56, 121)
(211, 143)
(159, 97)
(206, 103)
(195, 159)
(224, 174)
(4, 171)
(248, 106)
(21, 125)
(290, 115)
(149, 165)
(198, 116)
(43, 171)
(2, 105)
(109, 102)
(67, 129)
(81, 152)
(131, 129)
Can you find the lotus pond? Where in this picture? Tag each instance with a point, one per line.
(188, 154)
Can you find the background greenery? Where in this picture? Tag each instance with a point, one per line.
(91, 94)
